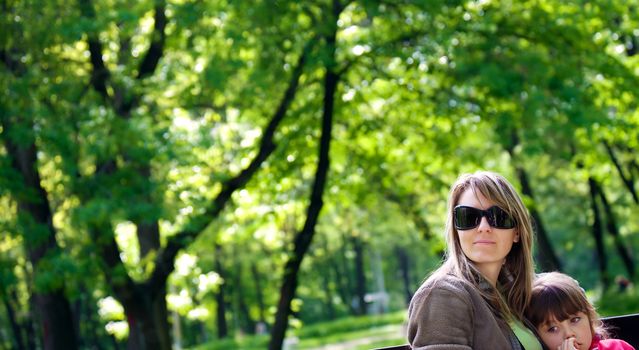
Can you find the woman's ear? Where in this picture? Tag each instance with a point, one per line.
(516, 238)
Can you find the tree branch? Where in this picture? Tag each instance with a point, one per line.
(100, 74)
(152, 57)
(166, 257)
(626, 180)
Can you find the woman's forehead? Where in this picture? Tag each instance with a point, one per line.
(472, 196)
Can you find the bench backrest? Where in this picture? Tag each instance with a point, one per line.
(624, 327)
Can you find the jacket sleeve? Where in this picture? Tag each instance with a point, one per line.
(440, 318)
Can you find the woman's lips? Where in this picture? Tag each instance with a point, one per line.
(482, 241)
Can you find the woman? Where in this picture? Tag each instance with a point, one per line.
(476, 299)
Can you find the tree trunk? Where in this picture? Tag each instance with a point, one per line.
(345, 277)
(360, 277)
(404, 270)
(545, 254)
(328, 293)
(342, 287)
(597, 232)
(57, 325)
(246, 321)
(611, 225)
(327, 266)
(304, 238)
(628, 180)
(33, 338)
(36, 220)
(91, 324)
(220, 299)
(257, 279)
(15, 326)
(148, 321)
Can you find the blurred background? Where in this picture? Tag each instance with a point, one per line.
(273, 174)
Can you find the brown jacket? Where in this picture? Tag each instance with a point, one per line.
(447, 313)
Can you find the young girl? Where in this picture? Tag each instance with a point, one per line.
(564, 318)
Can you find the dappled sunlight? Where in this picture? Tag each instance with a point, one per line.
(241, 174)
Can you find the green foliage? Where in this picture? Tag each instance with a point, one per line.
(427, 90)
(615, 303)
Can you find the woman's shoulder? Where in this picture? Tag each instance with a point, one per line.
(445, 281)
(442, 284)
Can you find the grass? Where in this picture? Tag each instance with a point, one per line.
(384, 334)
(381, 330)
(381, 343)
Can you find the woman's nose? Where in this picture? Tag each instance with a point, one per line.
(484, 225)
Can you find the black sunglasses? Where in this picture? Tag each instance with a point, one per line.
(466, 218)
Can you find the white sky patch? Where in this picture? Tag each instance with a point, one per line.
(232, 114)
(359, 50)
(269, 234)
(120, 329)
(349, 95)
(207, 281)
(250, 136)
(199, 65)
(349, 31)
(199, 313)
(126, 239)
(186, 210)
(109, 308)
(185, 264)
(182, 121)
(180, 301)
(377, 105)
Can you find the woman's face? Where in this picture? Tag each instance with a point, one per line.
(572, 333)
(484, 245)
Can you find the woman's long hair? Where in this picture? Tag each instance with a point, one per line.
(515, 279)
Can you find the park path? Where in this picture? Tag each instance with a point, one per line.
(385, 333)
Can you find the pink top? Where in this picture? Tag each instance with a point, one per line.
(609, 344)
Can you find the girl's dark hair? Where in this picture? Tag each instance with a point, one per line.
(558, 296)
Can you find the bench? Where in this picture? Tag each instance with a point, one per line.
(624, 327)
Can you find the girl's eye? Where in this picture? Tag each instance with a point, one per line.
(552, 329)
(575, 319)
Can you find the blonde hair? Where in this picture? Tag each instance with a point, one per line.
(515, 278)
(558, 296)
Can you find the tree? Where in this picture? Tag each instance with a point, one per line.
(304, 237)
(107, 164)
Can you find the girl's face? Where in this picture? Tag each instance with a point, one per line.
(575, 332)
(484, 245)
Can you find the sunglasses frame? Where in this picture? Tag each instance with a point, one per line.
(488, 213)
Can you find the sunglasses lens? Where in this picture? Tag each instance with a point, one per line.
(498, 218)
(466, 217)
